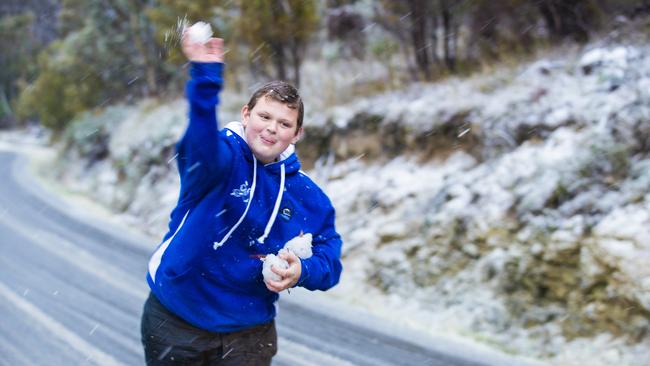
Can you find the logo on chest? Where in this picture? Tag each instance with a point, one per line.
(243, 192)
(285, 213)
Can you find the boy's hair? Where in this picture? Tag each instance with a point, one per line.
(282, 92)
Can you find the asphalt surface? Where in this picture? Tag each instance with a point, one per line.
(71, 293)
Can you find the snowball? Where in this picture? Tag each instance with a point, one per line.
(300, 246)
(200, 32)
(271, 260)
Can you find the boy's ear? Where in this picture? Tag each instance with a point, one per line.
(298, 136)
(245, 115)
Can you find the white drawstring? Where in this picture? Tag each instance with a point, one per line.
(275, 208)
(237, 128)
(250, 199)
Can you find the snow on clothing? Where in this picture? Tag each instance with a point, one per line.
(232, 209)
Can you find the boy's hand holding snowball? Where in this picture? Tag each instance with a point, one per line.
(199, 45)
(283, 271)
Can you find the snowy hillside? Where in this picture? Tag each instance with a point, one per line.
(512, 208)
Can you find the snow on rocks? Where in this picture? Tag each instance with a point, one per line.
(551, 230)
(609, 65)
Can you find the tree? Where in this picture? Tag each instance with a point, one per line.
(126, 35)
(105, 55)
(170, 16)
(449, 36)
(25, 27)
(278, 31)
(394, 17)
(421, 18)
(417, 23)
(67, 82)
(18, 47)
(569, 18)
(345, 25)
(502, 27)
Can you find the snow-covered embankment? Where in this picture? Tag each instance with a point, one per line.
(512, 208)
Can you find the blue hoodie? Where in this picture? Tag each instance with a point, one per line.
(231, 210)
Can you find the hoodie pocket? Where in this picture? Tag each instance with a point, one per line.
(173, 274)
(241, 274)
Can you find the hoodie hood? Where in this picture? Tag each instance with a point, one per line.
(288, 157)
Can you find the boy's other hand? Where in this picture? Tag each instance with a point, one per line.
(210, 51)
(290, 276)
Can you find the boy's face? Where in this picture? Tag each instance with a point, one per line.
(269, 128)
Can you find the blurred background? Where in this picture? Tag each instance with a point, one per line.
(489, 160)
(61, 58)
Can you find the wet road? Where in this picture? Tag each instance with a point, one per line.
(71, 293)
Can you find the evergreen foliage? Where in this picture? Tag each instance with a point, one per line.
(278, 33)
(18, 47)
(82, 55)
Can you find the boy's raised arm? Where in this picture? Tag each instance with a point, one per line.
(202, 157)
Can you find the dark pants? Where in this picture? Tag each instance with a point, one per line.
(169, 340)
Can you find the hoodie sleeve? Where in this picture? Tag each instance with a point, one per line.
(323, 269)
(203, 156)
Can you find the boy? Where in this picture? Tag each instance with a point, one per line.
(242, 197)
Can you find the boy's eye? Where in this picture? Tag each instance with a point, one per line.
(265, 117)
(286, 124)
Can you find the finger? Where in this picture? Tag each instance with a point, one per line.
(284, 284)
(288, 256)
(275, 286)
(188, 45)
(270, 284)
(271, 288)
(215, 43)
(279, 271)
(288, 273)
(281, 284)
